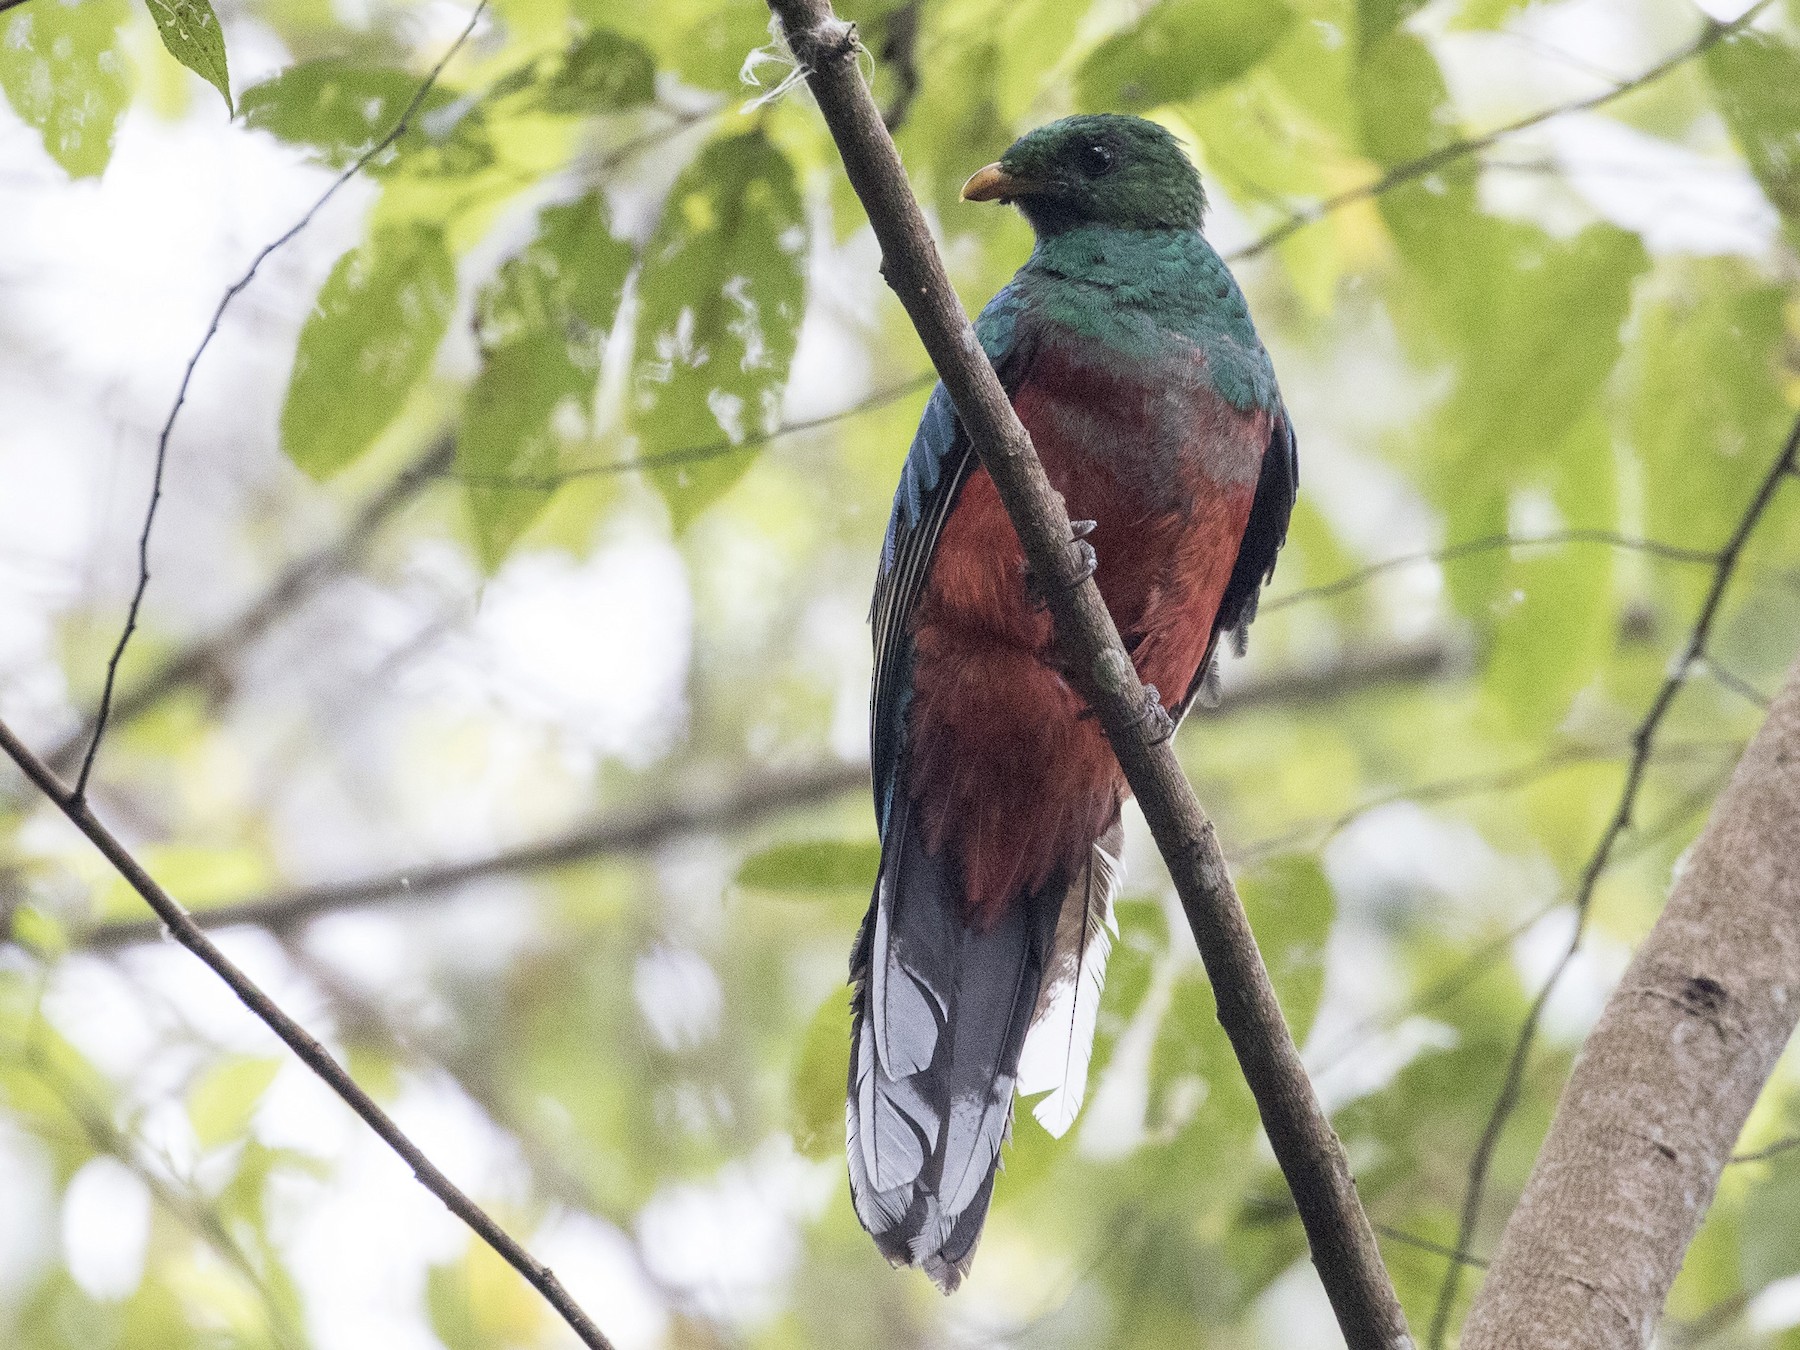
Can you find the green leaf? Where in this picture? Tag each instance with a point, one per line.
(542, 322)
(64, 73)
(221, 1104)
(599, 72)
(372, 334)
(1757, 76)
(723, 287)
(712, 50)
(1180, 49)
(1375, 19)
(1770, 1238)
(338, 107)
(816, 1092)
(191, 32)
(814, 865)
(1291, 909)
(1704, 413)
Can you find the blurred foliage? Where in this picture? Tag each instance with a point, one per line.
(588, 260)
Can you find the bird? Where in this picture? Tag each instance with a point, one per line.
(1129, 354)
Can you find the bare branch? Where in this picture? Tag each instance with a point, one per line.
(1426, 164)
(1664, 1082)
(749, 802)
(1343, 1246)
(232, 292)
(1643, 741)
(626, 833)
(182, 928)
(693, 454)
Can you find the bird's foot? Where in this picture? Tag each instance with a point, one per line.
(1081, 564)
(1154, 720)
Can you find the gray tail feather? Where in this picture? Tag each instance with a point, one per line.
(941, 1012)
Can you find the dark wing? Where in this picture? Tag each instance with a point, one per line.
(1277, 487)
(938, 464)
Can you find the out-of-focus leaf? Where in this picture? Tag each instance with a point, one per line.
(340, 108)
(1375, 19)
(1291, 909)
(723, 286)
(599, 72)
(712, 51)
(1705, 413)
(371, 335)
(480, 1302)
(1757, 76)
(542, 322)
(814, 865)
(1180, 49)
(221, 1104)
(190, 30)
(819, 1078)
(1770, 1238)
(62, 70)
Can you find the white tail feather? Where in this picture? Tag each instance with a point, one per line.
(1061, 1041)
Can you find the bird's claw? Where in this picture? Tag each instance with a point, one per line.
(1153, 719)
(1082, 562)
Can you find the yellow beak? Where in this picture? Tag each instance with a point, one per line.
(993, 184)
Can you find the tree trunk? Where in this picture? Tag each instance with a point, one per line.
(1662, 1088)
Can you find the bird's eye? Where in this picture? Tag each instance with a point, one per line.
(1096, 160)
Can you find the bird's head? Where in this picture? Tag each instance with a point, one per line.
(1102, 169)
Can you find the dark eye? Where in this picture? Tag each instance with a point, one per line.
(1096, 160)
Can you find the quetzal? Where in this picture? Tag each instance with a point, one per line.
(1128, 352)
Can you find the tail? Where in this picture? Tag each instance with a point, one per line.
(939, 1040)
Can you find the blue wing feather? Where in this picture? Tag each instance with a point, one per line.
(938, 462)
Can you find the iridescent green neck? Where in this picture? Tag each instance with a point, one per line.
(1138, 292)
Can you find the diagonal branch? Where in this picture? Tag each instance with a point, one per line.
(1643, 744)
(627, 833)
(1414, 169)
(232, 292)
(1343, 1246)
(752, 800)
(1665, 1080)
(182, 928)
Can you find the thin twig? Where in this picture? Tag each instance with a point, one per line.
(168, 427)
(182, 928)
(1737, 684)
(1450, 1254)
(1412, 169)
(1643, 741)
(694, 454)
(1491, 543)
(1774, 1150)
(1311, 1157)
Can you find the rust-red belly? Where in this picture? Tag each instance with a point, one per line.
(1005, 771)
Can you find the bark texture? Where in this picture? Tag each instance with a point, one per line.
(1663, 1086)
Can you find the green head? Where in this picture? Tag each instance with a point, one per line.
(1103, 169)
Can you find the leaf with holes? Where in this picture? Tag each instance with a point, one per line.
(541, 322)
(723, 287)
(190, 30)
